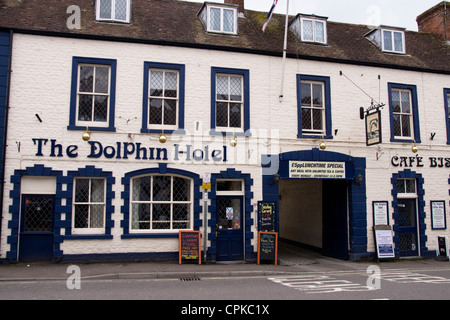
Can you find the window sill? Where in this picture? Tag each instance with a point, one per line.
(149, 235)
(93, 128)
(88, 237)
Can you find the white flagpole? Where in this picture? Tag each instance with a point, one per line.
(284, 51)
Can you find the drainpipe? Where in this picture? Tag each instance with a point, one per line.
(8, 90)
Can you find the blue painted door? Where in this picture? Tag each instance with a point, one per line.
(229, 241)
(36, 228)
(407, 228)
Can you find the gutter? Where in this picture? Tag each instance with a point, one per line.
(8, 90)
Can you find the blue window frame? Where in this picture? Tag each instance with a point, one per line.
(314, 107)
(404, 113)
(163, 97)
(447, 112)
(93, 94)
(230, 101)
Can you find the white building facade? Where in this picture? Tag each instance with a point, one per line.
(125, 195)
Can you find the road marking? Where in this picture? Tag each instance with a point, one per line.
(412, 277)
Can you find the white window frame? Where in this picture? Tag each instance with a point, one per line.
(407, 195)
(229, 101)
(163, 98)
(235, 25)
(314, 21)
(171, 202)
(393, 32)
(311, 107)
(88, 230)
(113, 12)
(93, 123)
(401, 114)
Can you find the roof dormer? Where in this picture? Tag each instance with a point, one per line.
(219, 17)
(310, 28)
(113, 10)
(388, 39)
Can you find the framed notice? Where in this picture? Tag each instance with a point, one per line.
(189, 246)
(384, 242)
(438, 219)
(373, 128)
(268, 247)
(380, 213)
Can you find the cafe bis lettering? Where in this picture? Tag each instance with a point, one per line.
(127, 150)
(420, 162)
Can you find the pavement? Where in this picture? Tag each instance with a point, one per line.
(292, 260)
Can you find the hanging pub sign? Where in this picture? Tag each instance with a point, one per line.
(373, 128)
(266, 216)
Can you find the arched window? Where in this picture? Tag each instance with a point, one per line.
(161, 202)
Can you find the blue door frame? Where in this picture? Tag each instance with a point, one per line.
(36, 228)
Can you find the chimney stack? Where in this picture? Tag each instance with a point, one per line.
(240, 3)
(436, 20)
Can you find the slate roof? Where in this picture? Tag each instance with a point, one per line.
(174, 22)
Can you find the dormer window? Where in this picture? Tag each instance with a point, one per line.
(219, 18)
(113, 10)
(388, 40)
(309, 28)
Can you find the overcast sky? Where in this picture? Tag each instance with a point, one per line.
(395, 13)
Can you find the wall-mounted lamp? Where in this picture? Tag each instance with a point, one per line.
(359, 179)
(233, 142)
(162, 137)
(86, 135)
(414, 148)
(276, 178)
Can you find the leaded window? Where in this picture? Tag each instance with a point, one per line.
(314, 31)
(229, 101)
(313, 107)
(393, 41)
(402, 113)
(221, 19)
(89, 204)
(114, 10)
(93, 94)
(161, 202)
(163, 98)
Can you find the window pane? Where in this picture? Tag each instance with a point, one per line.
(171, 83)
(81, 190)
(86, 79)
(85, 108)
(406, 126)
(308, 34)
(161, 188)
(170, 112)
(235, 115)
(317, 94)
(398, 41)
(317, 119)
(141, 189)
(101, 79)
(222, 114)
(397, 125)
(161, 216)
(181, 189)
(222, 87)
(156, 83)
(229, 185)
(96, 219)
(101, 108)
(181, 216)
(387, 37)
(401, 186)
(140, 216)
(410, 186)
(155, 111)
(214, 19)
(306, 119)
(406, 102)
(121, 10)
(105, 9)
(81, 216)
(320, 31)
(396, 101)
(305, 91)
(228, 20)
(235, 88)
(98, 190)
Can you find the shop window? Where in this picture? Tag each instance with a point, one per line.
(93, 94)
(113, 10)
(89, 205)
(163, 104)
(219, 19)
(314, 107)
(447, 112)
(230, 101)
(161, 203)
(404, 113)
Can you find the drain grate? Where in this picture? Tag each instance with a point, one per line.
(190, 279)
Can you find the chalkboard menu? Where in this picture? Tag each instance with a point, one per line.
(266, 216)
(189, 246)
(267, 246)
